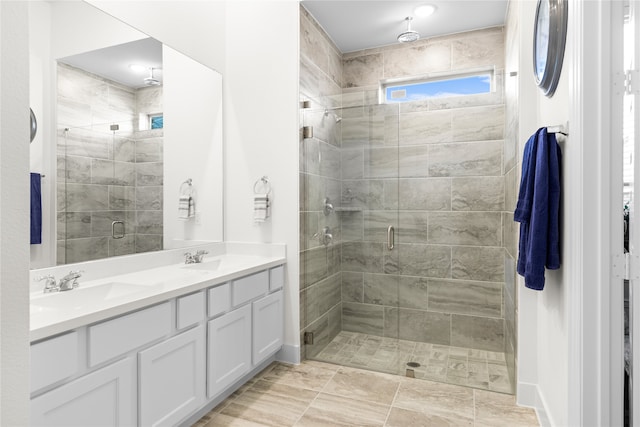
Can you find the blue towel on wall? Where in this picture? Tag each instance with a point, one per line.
(36, 209)
(538, 208)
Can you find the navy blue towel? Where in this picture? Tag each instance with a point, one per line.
(538, 209)
(36, 209)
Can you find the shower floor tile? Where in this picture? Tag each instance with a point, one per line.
(486, 370)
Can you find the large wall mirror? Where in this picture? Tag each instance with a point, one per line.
(130, 139)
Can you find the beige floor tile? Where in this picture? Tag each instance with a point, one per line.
(405, 418)
(329, 410)
(444, 400)
(309, 376)
(277, 405)
(362, 385)
(497, 410)
(222, 420)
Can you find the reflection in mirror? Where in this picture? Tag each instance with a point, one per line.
(118, 165)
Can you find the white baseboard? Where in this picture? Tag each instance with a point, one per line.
(529, 395)
(289, 354)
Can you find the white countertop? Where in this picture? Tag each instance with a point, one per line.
(113, 295)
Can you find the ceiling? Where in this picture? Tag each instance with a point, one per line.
(357, 25)
(113, 62)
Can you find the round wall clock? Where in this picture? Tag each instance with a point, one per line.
(549, 38)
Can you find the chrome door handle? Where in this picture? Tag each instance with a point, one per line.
(114, 234)
(391, 237)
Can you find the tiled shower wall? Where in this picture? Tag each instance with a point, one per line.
(104, 176)
(444, 281)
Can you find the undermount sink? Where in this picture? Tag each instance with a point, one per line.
(211, 265)
(81, 296)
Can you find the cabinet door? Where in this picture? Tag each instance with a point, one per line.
(172, 379)
(106, 397)
(268, 327)
(229, 349)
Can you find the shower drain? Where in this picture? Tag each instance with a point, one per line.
(413, 364)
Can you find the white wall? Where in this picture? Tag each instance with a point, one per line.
(261, 131)
(14, 214)
(192, 148)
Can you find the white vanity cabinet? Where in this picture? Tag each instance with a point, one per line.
(106, 397)
(172, 378)
(163, 364)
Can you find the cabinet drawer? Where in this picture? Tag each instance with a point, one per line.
(219, 299)
(247, 288)
(276, 278)
(123, 334)
(190, 310)
(268, 326)
(53, 360)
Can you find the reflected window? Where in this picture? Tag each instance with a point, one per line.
(156, 121)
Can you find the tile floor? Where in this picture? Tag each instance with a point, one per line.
(481, 369)
(321, 394)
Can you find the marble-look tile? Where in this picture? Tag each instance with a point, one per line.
(122, 197)
(362, 257)
(352, 163)
(124, 246)
(311, 376)
(428, 194)
(313, 264)
(478, 50)
(478, 124)
(322, 296)
(399, 417)
(317, 85)
(367, 194)
(380, 289)
(363, 386)
(412, 292)
(74, 169)
(270, 404)
(308, 229)
(466, 159)
(83, 143)
(149, 198)
(311, 192)
(123, 150)
(413, 227)
(149, 100)
(149, 150)
(112, 173)
(329, 410)
(424, 260)
(444, 400)
(426, 127)
(76, 224)
(83, 198)
(352, 225)
(424, 326)
(364, 318)
(511, 234)
(362, 70)
(149, 222)
(310, 156)
(413, 161)
(478, 194)
(466, 228)
(465, 297)
(313, 45)
(329, 161)
(511, 186)
(79, 250)
(477, 263)
(149, 174)
(101, 222)
(477, 332)
(381, 162)
(376, 224)
(495, 410)
(426, 57)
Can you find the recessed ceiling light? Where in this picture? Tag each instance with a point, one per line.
(137, 68)
(424, 10)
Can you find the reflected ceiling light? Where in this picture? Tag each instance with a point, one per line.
(137, 68)
(409, 35)
(424, 10)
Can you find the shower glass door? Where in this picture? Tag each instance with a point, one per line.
(349, 174)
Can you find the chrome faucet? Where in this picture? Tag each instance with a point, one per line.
(70, 281)
(49, 284)
(196, 258)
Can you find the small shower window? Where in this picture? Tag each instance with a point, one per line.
(156, 121)
(441, 87)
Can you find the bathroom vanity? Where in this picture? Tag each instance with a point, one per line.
(157, 346)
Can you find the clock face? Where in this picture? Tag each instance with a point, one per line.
(548, 43)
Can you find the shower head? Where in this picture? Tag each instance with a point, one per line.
(409, 35)
(151, 81)
(327, 113)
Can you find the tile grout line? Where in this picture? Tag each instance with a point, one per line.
(386, 420)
